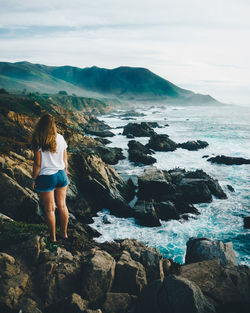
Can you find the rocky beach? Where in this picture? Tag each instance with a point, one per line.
(86, 273)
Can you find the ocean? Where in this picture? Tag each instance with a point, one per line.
(227, 130)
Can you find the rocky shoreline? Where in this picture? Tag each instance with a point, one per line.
(121, 276)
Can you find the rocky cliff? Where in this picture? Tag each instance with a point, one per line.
(81, 275)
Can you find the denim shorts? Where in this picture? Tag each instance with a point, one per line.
(50, 182)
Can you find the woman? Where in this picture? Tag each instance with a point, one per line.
(49, 177)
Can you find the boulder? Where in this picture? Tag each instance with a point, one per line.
(117, 302)
(110, 155)
(247, 222)
(193, 145)
(153, 263)
(97, 276)
(161, 143)
(58, 275)
(13, 282)
(174, 294)
(227, 160)
(73, 304)
(145, 213)
(130, 276)
(226, 286)
(139, 153)
(201, 249)
(138, 130)
(178, 186)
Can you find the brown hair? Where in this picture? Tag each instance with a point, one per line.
(44, 135)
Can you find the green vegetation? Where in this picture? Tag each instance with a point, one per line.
(15, 232)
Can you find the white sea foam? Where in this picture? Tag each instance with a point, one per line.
(227, 130)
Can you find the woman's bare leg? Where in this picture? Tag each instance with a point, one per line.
(48, 202)
(60, 195)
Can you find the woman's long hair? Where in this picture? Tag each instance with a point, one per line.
(44, 135)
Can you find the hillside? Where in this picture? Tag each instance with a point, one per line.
(125, 83)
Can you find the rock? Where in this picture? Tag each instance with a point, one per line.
(193, 145)
(247, 222)
(130, 136)
(117, 302)
(58, 276)
(73, 304)
(145, 213)
(230, 188)
(106, 220)
(5, 217)
(161, 143)
(103, 141)
(174, 294)
(110, 155)
(226, 286)
(167, 211)
(227, 160)
(138, 130)
(12, 283)
(29, 306)
(97, 276)
(92, 176)
(176, 185)
(138, 153)
(21, 205)
(102, 133)
(30, 249)
(201, 249)
(130, 276)
(153, 263)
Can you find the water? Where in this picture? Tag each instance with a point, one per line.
(227, 130)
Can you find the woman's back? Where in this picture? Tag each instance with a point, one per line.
(52, 162)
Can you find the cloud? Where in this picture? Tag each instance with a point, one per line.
(186, 42)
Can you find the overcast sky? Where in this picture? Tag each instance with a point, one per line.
(202, 45)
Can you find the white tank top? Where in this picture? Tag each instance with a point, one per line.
(51, 163)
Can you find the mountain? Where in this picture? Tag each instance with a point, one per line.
(125, 83)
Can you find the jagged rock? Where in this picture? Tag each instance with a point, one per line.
(12, 283)
(138, 153)
(130, 136)
(201, 249)
(130, 276)
(73, 304)
(174, 294)
(247, 222)
(93, 177)
(178, 185)
(21, 204)
(117, 302)
(31, 248)
(110, 155)
(167, 211)
(222, 159)
(161, 143)
(97, 276)
(193, 145)
(97, 128)
(132, 113)
(145, 213)
(58, 276)
(138, 130)
(153, 263)
(29, 306)
(227, 287)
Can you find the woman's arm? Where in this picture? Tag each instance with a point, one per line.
(65, 160)
(36, 167)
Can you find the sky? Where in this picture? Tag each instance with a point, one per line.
(199, 45)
